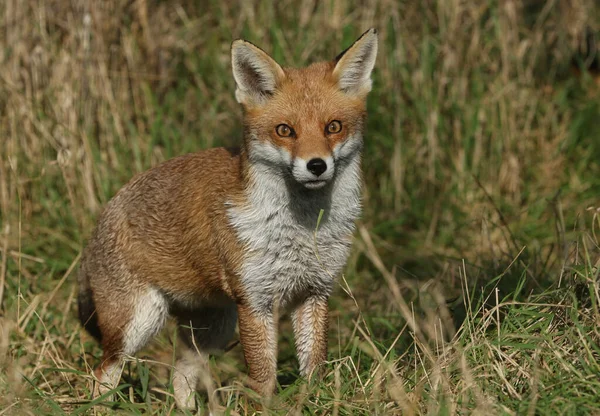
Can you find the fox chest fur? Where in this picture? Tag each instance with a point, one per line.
(296, 241)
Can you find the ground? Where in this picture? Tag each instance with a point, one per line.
(473, 284)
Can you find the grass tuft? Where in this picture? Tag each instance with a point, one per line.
(473, 287)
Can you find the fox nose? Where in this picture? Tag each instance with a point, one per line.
(316, 166)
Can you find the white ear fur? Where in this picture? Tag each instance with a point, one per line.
(354, 65)
(256, 73)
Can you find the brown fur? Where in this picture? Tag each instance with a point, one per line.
(169, 225)
(166, 244)
(307, 100)
(313, 317)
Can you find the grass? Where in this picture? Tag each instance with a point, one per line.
(473, 286)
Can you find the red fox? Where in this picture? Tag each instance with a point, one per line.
(216, 239)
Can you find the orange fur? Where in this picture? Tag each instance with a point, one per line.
(215, 237)
(307, 100)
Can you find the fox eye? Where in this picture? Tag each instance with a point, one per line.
(284, 130)
(334, 127)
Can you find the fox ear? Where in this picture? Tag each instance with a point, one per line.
(354, 65)
(256, 73)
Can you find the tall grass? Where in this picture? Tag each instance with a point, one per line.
(473, 286)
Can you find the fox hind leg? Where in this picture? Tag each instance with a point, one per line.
(148, 311)
(202, 331)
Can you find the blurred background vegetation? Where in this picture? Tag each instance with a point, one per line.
(482, 169)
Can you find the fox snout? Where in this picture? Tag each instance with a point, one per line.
(313, 173)
(316, 166)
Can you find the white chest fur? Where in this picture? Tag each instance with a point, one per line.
(285, 259)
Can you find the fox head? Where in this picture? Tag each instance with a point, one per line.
(304, 122)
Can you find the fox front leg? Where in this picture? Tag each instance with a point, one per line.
(311, 323)
(258, 336)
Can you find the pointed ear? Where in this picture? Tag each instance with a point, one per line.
(256, 73)
(354, 65)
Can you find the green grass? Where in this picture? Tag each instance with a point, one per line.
(473, 286)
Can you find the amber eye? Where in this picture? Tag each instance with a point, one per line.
(334, 127)
(284, 130)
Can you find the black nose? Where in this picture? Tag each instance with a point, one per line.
(316, 166)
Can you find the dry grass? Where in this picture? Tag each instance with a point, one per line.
(474, 284)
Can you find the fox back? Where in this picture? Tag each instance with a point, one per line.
(216, 238)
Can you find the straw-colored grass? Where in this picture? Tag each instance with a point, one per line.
(473, 287)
